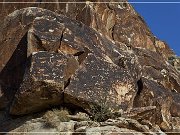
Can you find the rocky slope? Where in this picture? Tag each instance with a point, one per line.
(92, 57)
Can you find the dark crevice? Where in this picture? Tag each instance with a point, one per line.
(79, 53)
(112, 33)
(82, 55)
(138, 94)
(62, 35)
(66, 83)
(140, 86)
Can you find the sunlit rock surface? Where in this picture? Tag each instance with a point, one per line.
(94, 57)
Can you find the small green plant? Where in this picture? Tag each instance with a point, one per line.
(102, 110)
(105, 108)
(101, 113)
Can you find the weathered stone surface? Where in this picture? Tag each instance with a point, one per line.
(126, 123)
(162, 77)
(122, 66)
(156, 68)
(175, 107)
(38, 123)
(118, 22)
(97, 81)
(153, 94)
(175, 61)
(163, 49)
(105, 56)
(82, 125)
(80, 117)
(43, 83)
(7, 7)
(13, 52)
(139, 112)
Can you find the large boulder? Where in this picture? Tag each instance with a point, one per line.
(152, 94)
(102, 82)
(43, 83)
(13, 52)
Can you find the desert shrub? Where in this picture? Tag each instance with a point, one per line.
(62, 114)
(103, 109)
(53, 117)
(101, 113)
(49, 118)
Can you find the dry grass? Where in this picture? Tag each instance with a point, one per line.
(54, 117)
(62, 114)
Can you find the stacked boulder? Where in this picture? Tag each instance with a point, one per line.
(84, 56)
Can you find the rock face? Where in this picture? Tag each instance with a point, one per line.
(43, 83)
(96, 57)
(119, 22)
(92, 64)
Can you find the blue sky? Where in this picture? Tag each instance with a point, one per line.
(163, 20)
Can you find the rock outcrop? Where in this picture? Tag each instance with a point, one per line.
(100, 58)
(52, 122)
